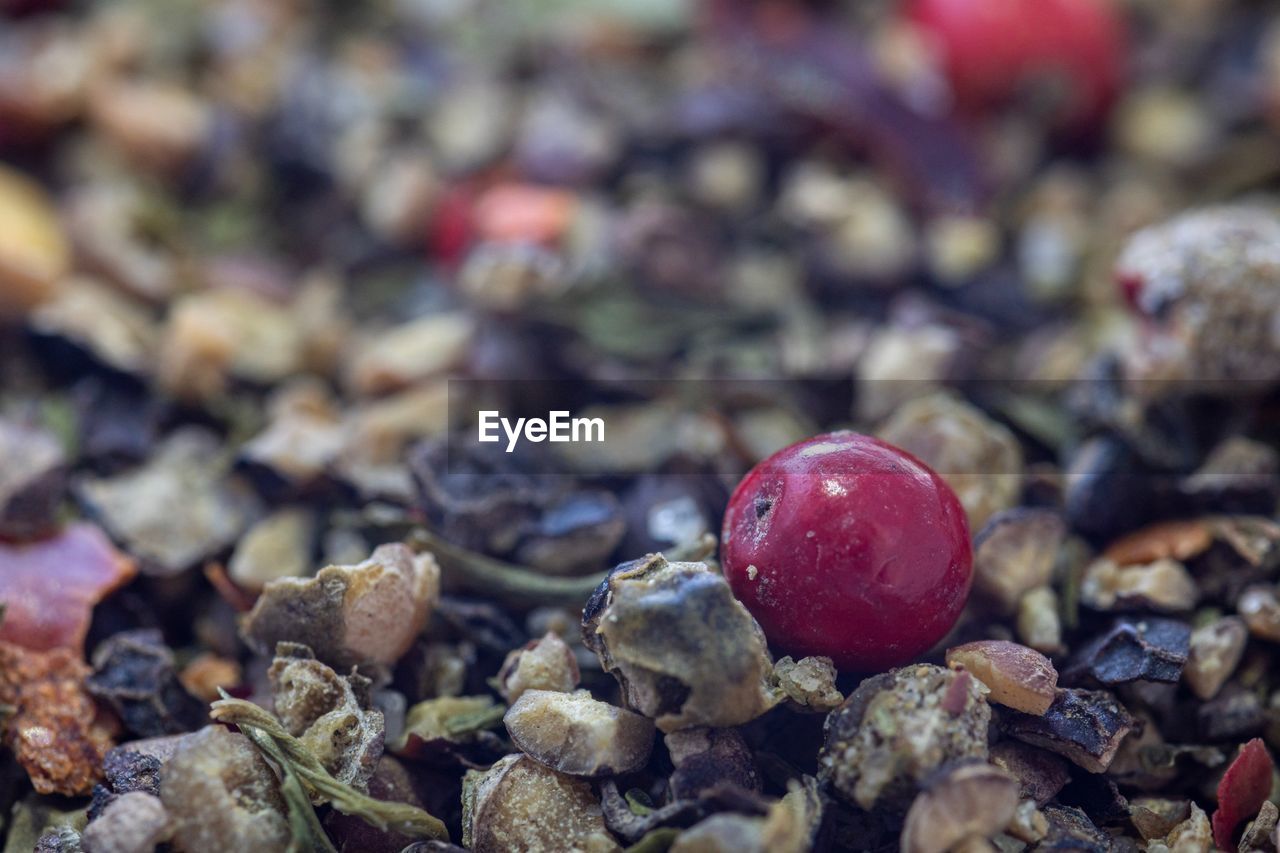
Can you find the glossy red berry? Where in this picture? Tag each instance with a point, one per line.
(845, 546)
(992, 49)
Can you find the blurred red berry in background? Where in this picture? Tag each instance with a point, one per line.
(993, 50)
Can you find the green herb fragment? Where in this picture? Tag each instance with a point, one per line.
(448, 718)
(304, 826)
(476, 722)
(638, 801)
(655, 840)
(502, 580)
(288, 752)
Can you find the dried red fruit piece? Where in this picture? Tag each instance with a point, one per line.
(56, 732)
(524, 213)
(1242, 791)
(50, 586)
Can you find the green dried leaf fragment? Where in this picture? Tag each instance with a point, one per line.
(501, 580)
(655, 840)
(451, 719)
(287, 751)
(304, 826)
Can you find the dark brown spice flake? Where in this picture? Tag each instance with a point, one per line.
(1144, 650)
(1082, 725)
(134, 673)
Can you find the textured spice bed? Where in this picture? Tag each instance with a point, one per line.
(935, 347)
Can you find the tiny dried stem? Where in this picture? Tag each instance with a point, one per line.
(261, 726)
(308, 834)
(503, 580)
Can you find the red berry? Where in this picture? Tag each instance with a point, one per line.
(845, 546)
(991, 49)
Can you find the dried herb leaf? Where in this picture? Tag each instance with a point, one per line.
(270, 737)
(328, 713)
(501, 580)
(33, 819)
(438, 725)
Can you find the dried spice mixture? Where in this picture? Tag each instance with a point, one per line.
(934, 352)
